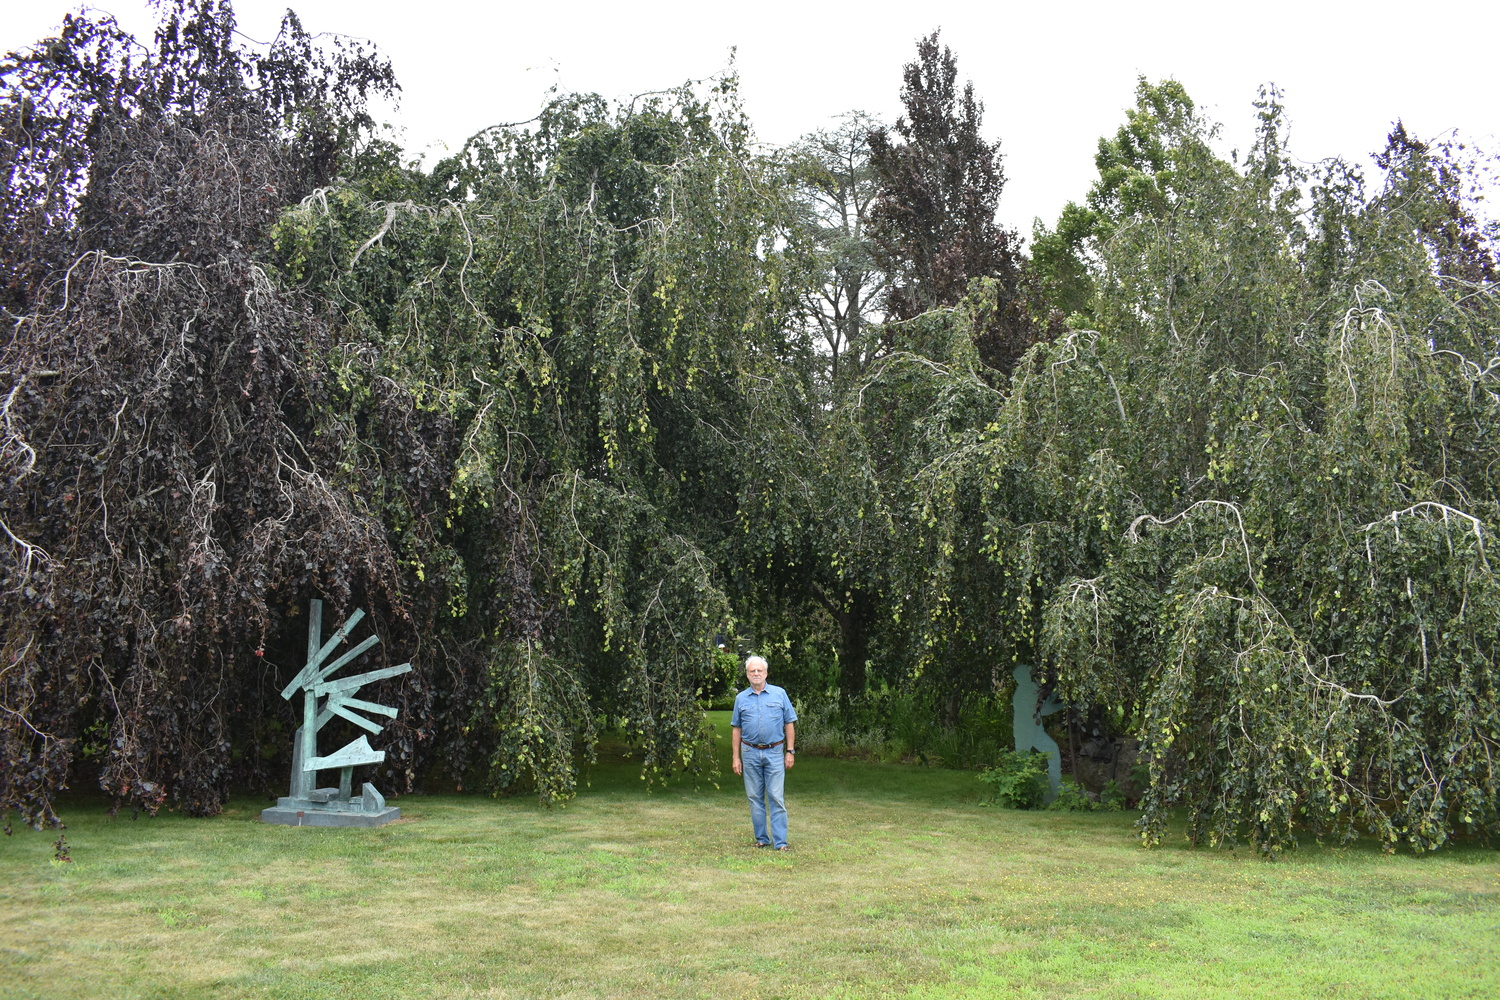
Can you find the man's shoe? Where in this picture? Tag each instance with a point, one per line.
(784, 847)
(758, 845)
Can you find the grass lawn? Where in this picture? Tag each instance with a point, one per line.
(899, 884)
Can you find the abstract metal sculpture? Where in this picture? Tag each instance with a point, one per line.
(322, 699)
(1028, 726)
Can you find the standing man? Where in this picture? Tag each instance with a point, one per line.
(764, 739)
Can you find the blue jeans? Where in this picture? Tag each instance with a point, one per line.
(765, 781)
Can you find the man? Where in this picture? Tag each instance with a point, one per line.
(764, 739)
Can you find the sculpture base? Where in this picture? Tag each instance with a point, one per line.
(326, 808)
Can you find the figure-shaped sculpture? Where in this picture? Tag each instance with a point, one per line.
(322, 699)
(1028, 727)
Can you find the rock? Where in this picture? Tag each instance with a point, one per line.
(1102, 760)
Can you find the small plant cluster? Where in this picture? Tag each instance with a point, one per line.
(1072, 798)
(1019, 781)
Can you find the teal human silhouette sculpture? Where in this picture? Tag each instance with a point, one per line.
(322, 699)
(1028, 727)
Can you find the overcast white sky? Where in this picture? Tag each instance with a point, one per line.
(1053, 77)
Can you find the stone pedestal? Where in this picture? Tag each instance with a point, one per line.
(327, 807)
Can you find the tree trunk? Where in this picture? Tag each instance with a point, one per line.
(1072, 745)
(853, 648)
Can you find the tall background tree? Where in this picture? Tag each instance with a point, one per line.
(834, 189)
(933, 223)
(840, 537)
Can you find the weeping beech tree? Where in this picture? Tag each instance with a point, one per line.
(172, 482)
(592, 305)
(1248, 504)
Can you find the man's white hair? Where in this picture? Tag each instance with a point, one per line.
(752, 660)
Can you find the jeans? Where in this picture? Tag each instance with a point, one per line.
(765, 781)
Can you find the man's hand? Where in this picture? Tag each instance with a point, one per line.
(791, 759)
(737, 768)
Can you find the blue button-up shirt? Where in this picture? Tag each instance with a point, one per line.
(762, 718)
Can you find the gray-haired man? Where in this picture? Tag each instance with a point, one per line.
(764, 738)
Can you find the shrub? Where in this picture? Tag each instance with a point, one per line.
(1111, 798)
(1018, 779)
(1071, 798)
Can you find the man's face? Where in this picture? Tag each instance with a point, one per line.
(755, 673)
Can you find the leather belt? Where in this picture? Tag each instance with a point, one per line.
(763, 746)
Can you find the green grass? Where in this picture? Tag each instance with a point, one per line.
(900, 884)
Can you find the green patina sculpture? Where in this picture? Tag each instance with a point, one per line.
(322, 699)
(1028, 726)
